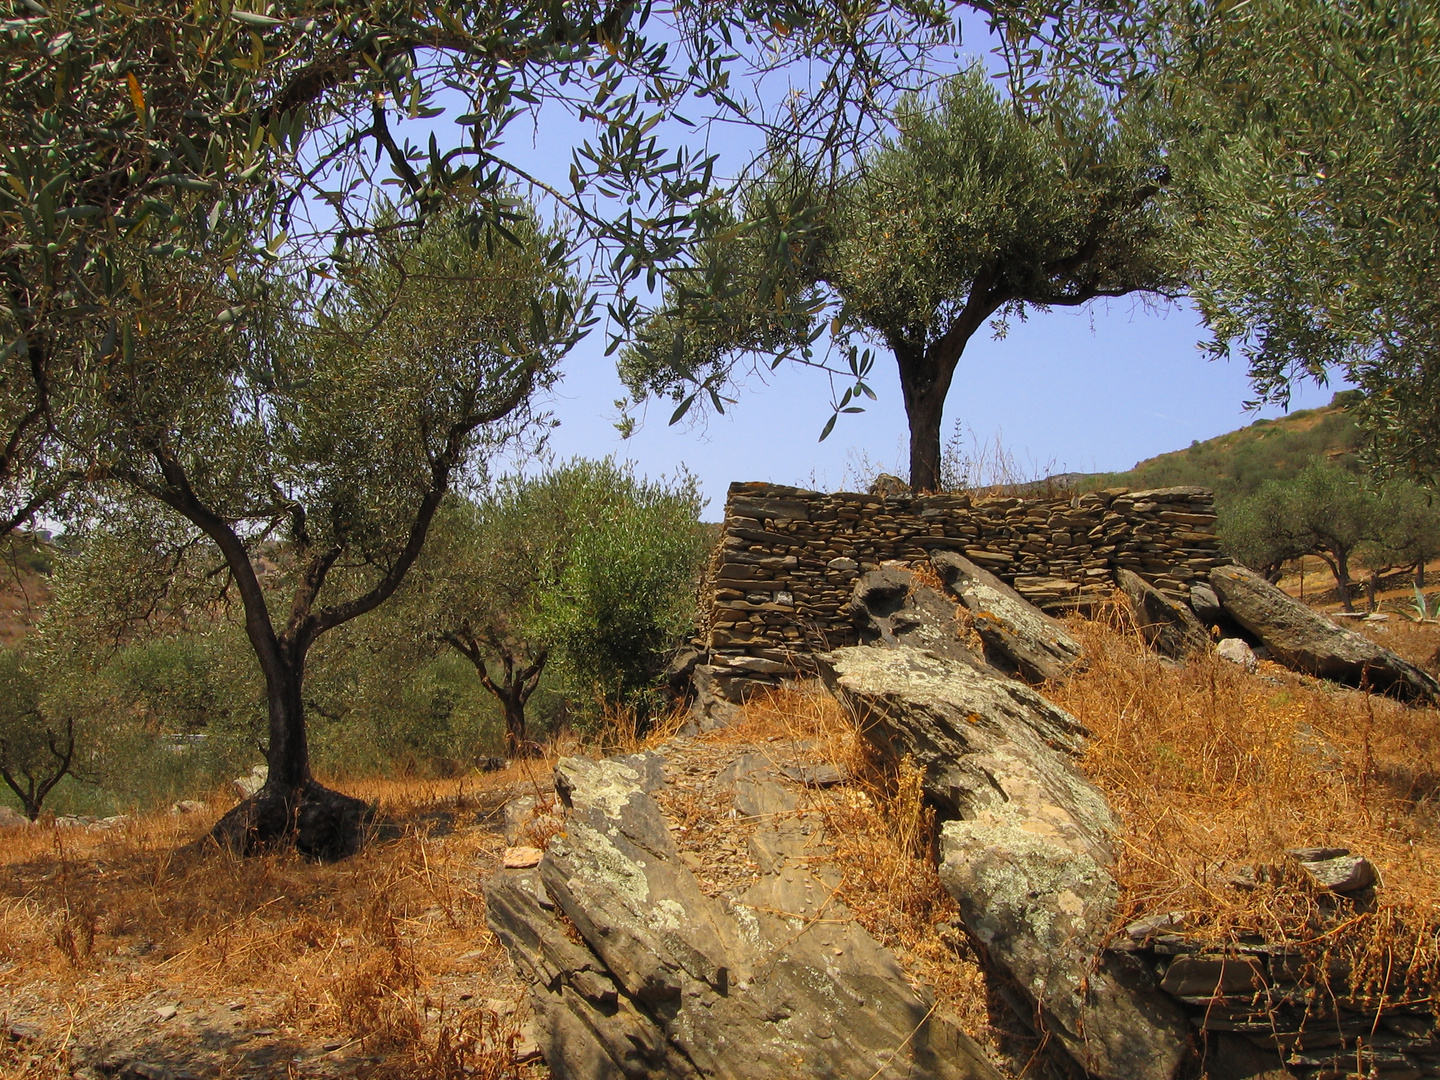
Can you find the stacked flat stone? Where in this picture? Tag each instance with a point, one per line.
(780, 582)
(1298, 1013)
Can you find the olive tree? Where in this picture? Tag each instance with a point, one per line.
(1323, 510)
(37, 741)
(1304, 135)
(971, 210)
(584, 562)
(1407, 532)
(326, 446)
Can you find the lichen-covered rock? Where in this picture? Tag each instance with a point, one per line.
(1030, 857)
(667, 981)
(1019, 638)
(890, 607)
(1303, 639)
(1169, 628)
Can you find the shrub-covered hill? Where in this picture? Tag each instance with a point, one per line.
(1237, 463)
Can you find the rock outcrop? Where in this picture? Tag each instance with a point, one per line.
(667, 981)
(1019, 638)
(890, 607)
(1305, 640)
(1169, 628)
(1030, 855)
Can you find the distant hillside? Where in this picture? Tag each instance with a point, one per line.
(24, 584)
(1235, 464)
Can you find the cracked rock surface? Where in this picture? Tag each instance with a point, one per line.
(636, 971)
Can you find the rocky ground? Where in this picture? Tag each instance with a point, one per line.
(807, 855)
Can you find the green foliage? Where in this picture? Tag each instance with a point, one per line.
(1408, 527)
(387, 707)
(37, 743)
(626, 598)
(584, 562)
(1328, 511)
(1304, 132)
(969, 211)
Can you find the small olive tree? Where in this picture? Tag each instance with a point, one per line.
(311, 453)
(1323, 510)
(585, 563)
(37, 742)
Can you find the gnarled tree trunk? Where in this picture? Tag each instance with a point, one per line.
(292, 807)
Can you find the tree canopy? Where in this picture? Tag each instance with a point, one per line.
(1304, 132)
(970, 211)
(326, 443)
(583, 561)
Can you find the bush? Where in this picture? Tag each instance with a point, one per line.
(626, 597)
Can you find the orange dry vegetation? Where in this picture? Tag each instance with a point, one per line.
(378, 965)
(1215, 770)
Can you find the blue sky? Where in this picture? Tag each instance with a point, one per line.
(1094, 389)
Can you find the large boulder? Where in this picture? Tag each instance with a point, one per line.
(1019, 638)
(1303, 639)
(1169, 628)
(1031, 853)
(666, 981)
(891, 607)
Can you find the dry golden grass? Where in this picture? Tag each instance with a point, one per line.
(385, 954)
(1214, 770)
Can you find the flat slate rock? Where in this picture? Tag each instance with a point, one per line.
(665, 981)
(1019, 638)
(1303, 639)
(1169, 628)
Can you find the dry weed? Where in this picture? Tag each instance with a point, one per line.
(379, 953)
(623, 730)
(1214, 770)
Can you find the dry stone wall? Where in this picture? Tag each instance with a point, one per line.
(779, 584)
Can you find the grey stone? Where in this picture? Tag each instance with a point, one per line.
(518, 813)
(1207, 976)
(1343, 873)
(1236, 651)
(887, 485)
(1030, 859)
(10, 819)
(669, 982)
(1305, 640)
(822, 775)
(1169, 628)
(1142, 931)
(713, 707)
(681, 667)
(889, 607)
(1019, 638)
(246, 786)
